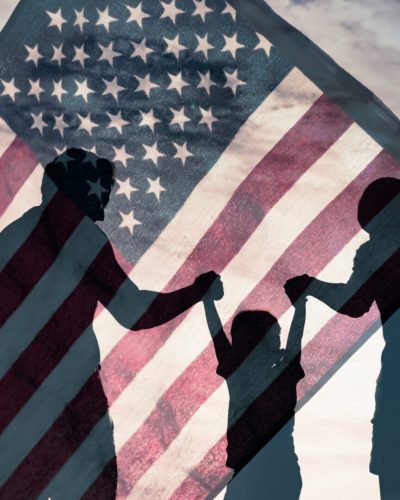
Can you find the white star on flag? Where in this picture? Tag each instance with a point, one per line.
(86, 123)
(104, 18)
(82, 90)
(59, 151)
(152, 153)
(129, 221)
(38, 122)
(56, 19)
(140, 49)
(203, 45)
(80, 55)
(80, 18)
(33, 54)
(263, 44)
(10, 89)
(177, 83)
(60, 124)
(57, 54)
(232, 45)
(121, 155)
(207, 117)
(205, 81)
(145, 84)
(171, 10)
(125, 188)
(201, 9)
(58, 90)
(116, 121)
(182, 152)
(108, 53)
(233, 82)
(113, 88)
(173, 46)
(229, 10)
(149, 120)
(179, 117)
(155, 187)
(35, 89)
(136, 14)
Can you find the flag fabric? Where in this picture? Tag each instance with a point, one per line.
(228, 159)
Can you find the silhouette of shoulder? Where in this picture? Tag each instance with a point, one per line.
(14, 235)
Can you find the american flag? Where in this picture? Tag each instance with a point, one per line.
(227, 158)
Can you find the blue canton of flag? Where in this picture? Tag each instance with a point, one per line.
(159, 88)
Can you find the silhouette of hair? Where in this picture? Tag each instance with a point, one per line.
(249, 327)
(84, 177)
(376, 196)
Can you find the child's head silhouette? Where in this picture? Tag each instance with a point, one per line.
(250, 327)
(374, 199)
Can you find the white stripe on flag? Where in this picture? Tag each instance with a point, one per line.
(7, 8)
(6, 136)
(27, 197)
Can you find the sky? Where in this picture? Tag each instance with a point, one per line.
(362, 36)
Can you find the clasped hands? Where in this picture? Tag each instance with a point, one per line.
(295, 287)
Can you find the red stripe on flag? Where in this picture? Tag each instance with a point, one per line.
(208, 478)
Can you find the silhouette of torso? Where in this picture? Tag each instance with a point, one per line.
(51, 390)
(262, 399)
(382, 285)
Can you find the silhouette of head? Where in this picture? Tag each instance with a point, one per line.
(374, 199)
(84, 177)
(250, 327)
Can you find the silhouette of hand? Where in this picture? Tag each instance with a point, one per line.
(216, 290)
(295, 287)
(206, 281)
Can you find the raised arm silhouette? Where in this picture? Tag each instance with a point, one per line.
(55, 266)
(375, 277)
(261, 379)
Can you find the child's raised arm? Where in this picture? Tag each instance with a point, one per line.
(220, 340)
(293, 346)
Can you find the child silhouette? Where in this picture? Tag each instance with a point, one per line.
(261, 379)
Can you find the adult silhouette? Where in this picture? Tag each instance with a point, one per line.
(55, 266)
(375, 277)
(261, 379)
